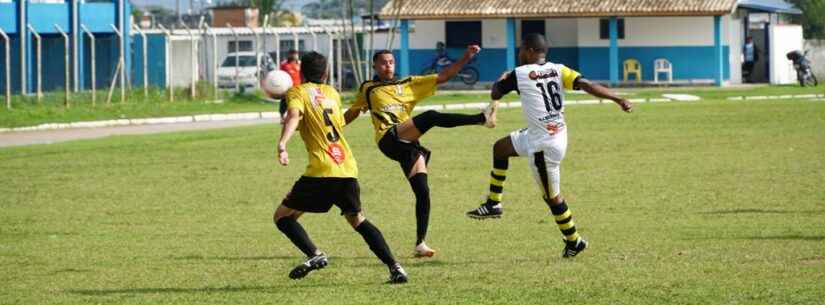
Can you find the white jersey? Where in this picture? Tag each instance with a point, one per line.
(541, 87)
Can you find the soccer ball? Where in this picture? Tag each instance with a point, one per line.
(276, 83)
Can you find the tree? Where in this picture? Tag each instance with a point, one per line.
(812, 17)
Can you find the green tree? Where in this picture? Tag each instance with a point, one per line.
(813, 17)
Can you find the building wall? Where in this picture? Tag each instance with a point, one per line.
(687, 42)
(785, 38)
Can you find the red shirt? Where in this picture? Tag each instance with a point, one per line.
(294, 70)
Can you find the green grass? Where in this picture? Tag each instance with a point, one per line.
(27, 111)
(684, 203)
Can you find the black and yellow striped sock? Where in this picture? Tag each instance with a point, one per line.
(497, 177)
(564, 219)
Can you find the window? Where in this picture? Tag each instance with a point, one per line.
(462, 33)
(243, 61)
(532, 26)
(289, 44)
(245, 46)
(604, 28)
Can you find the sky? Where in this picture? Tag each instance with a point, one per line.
(184, 4)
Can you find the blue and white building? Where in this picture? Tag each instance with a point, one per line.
(21, 19)
(701, 38)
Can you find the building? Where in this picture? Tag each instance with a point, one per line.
(24, 20)
(701, 38)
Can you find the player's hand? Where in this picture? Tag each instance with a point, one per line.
(626, 105)
(472, 50)
(283, 156)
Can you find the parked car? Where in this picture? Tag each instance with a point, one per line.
(243, 70)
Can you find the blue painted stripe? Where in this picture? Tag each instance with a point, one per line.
(690, 62)
(405, 48)
(98, 16)
(8, 17)
(43, 17)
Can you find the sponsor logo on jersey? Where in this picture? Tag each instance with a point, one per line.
(393, 108)
(336, 152)
(536, 75)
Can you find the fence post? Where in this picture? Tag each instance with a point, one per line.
(167, 46)
(39, 65)
(8, 68)
(93, 70)
(66, 63)
(122, 64)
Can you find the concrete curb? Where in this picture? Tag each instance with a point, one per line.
(776, 97)
(275, 116)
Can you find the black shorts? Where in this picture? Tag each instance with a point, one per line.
(404, 152)
(317, 195)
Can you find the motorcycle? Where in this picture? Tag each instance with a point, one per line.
(468, 74)
(804, 73)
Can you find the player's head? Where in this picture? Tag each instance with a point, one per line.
(533, 49)
(314, 67)
(292, 55)
(384, 64)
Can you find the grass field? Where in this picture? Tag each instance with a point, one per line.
(711, 202)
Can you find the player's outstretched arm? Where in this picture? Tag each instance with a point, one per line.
(453, 69)
(503, 85)
(293, 116)
(351, 114)
(602, 92)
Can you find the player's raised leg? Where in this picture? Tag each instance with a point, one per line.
(412, 130)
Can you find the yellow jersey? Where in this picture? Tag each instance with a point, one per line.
(321, 128)
(392, 102)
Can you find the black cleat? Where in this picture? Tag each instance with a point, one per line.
(573, 248)
(486, 210)
(397, 275)
(316, 262)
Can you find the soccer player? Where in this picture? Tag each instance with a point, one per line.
(391, 102)
(330, 178)
(292, 66)
(541, 86)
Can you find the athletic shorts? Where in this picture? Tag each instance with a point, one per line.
(544, 153)
(318, 195)
(406, 153)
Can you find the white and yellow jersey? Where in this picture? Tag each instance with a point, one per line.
(542, 88)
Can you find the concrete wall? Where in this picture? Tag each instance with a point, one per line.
(784, 39)
(817, 56)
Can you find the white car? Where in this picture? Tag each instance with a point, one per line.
(244, 71)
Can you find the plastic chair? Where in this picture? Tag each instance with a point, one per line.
(662, 65)
(632, 66)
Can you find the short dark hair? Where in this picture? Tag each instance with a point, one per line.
(534, 41)
(313, 67)
(379, 53)
(293, 51)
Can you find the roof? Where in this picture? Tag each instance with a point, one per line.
(770, 6)
(463, 9)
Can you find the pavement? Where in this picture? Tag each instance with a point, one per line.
(21, 138)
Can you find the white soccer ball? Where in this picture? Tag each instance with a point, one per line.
(276, 83)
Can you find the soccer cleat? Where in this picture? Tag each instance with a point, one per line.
(490, 115)
(422, 250)
(486, 210)
(397, 275)
(573, 248)
(316, 262)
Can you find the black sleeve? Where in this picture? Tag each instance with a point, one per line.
(508, 84)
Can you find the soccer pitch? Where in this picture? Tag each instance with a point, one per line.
(711, 202)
